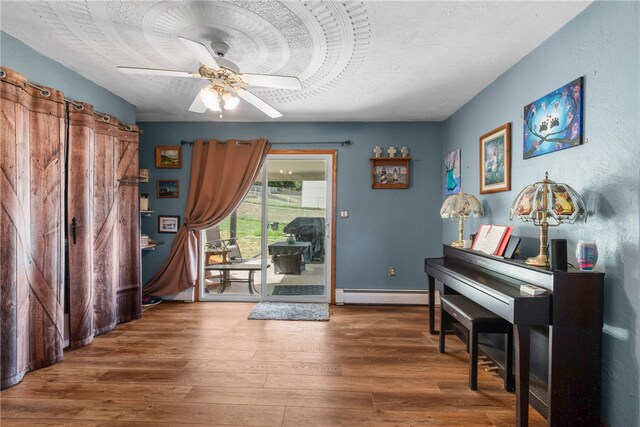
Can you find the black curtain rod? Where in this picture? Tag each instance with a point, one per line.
(342, 143)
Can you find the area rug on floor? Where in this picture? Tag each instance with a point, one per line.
(298, 290)
(290, 311)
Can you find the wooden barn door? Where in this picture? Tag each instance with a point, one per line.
(105, 217)
(100, 173)
(129, 287)
(80, 222)
(31, 226)
(116, 272)
(104, 242)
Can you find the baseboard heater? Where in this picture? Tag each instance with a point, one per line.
(382, 296)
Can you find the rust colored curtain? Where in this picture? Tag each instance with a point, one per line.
(104, 251)
(31, 226)
(222, 172)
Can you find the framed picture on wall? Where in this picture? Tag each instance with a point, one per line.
(168, 189)
(495, 160)
(169, 157)
(168, 223)
(452, 173)
(554, 121)
(390, 172)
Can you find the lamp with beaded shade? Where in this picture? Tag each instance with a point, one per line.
(461, 206)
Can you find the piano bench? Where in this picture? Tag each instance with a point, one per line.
(477, 320)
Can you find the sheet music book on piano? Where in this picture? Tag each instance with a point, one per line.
(492, 239)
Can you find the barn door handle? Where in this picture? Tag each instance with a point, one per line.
(74, 225)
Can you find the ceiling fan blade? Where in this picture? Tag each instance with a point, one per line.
(201, 52)
(258, 103)
(278, 82)
(197, 106)
(155, 72)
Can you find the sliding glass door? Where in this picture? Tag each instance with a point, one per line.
(298, 200)
(276, 246)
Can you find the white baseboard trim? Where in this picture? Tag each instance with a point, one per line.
(187, 295)
(382, 296)
(350, 296)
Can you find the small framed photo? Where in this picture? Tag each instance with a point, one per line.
(168, 189)
(169, 157)
(168, 223)
(495, 160)
(390, 172)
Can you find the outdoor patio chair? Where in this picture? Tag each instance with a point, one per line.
(223, 251)
(230, 246)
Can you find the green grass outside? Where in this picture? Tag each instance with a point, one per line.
(283, 208)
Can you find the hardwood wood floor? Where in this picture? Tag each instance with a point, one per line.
(205, 363)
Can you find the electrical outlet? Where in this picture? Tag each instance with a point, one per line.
(344, 213)
(392, 272)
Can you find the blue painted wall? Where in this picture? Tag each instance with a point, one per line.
(385, 227)
(401, 227)
(40, 69)
(601, 44)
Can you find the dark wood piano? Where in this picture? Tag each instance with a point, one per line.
(558, 334)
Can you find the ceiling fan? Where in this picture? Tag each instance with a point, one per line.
(227, 83)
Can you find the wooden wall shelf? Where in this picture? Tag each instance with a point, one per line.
(390, 172)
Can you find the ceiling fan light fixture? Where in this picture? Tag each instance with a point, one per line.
(227, 84)
(230, 101)
(210, 98)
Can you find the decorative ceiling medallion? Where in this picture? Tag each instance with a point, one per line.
(334, 47)
(319, 42)
(344, 43)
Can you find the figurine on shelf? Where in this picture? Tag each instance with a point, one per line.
(377, 151)
(405, 151)
(144, 202)
(392, 151)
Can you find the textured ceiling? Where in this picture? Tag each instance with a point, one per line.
(357, 61)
